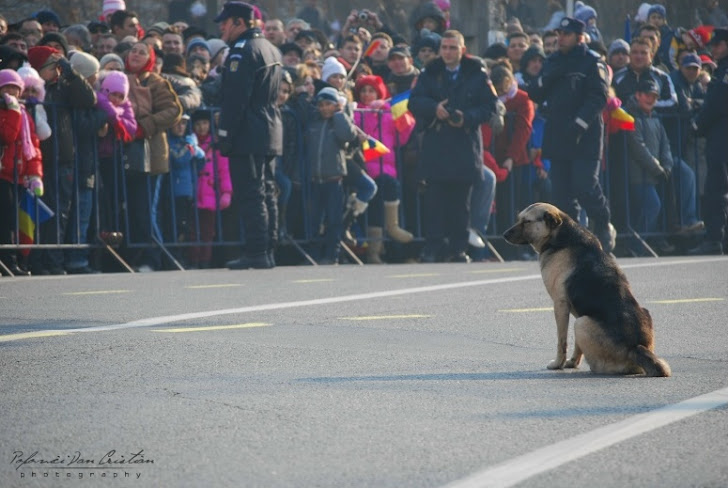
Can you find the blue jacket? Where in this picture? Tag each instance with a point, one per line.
(450, 153)
(572, 91)
(184, 157)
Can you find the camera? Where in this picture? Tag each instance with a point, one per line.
(363, 16)
(455, 117)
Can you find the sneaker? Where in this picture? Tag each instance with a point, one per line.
(144, 268)
(460, 257)
(692, 228)
(475, 240)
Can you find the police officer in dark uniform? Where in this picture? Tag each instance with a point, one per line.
(572, 89)
(712, 123)
(251, 131)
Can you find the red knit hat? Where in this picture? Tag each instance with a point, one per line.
(38, 55)
(375, 82)
(701, 34)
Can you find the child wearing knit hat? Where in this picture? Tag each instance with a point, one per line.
(34, 94)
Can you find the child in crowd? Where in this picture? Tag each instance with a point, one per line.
(185, 157)
(375, 119)
(34, 94)
(327, 138)
(283, 181)
(214, 189)
(21, 162)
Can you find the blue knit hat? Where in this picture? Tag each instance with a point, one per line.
(657, 9)
(43, 16)
(585, 13)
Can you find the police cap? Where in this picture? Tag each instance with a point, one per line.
(569, 24)
(242, 10)
(719, 35)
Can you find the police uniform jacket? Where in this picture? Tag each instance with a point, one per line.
(573, 90)
(450, 153)
(712, 120)
(250, 118)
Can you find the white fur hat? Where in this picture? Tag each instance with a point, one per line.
(332, 66)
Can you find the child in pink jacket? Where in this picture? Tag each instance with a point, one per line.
(214, 189)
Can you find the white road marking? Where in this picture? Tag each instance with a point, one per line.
(547, 458)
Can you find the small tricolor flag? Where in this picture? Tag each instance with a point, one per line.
(372, 47)
(373, 149)
(33, 211)
(402, 117)
(619, 120)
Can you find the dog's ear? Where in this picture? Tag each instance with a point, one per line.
(552, 219)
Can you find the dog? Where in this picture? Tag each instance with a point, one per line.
(611, 330)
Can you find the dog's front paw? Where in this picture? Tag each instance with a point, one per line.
(572, 363)
(556, 364)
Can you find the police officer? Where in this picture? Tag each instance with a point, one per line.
(572, 89)
(712, 123)
(250, 131)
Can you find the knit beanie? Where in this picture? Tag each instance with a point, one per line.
(618, 45)
(443, 4)
(108, 58)
(57, 38)
(38, 56)
(329, 93)
(43, 16)
(428, 39)
(701, 35)
(375, 82)
(84, 63)
(111, 6)
(198, 42)
(31, 78)
(115, 82)
(11, 77)
(642, 12)
(216, 45)
(332, 67)
(657, 9)
(529, 54)
(584, 13)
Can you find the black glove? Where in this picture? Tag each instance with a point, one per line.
(224, 146)
(66, 68)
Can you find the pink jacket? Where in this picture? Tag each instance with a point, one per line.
(206, 197)
(369, 121)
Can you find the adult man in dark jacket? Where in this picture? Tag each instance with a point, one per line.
(573, 90)
(452, 98)
(713, 124)
(251, 131)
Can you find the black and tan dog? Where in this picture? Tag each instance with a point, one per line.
(611, 329)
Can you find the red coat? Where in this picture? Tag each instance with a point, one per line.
(12, 148)
(512, 142)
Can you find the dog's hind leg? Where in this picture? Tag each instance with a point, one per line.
(603, 356)
(575, 360)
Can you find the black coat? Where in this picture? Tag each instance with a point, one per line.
(712, 120)
(572, 91)
(450, 153)
(250, 118)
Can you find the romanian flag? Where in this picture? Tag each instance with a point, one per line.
(373, 149)
(619, 120)
(372, 47)
(402, 117)
(33, 211)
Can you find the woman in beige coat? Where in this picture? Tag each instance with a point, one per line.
(156, 108)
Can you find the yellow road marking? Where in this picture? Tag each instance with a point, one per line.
(320, 280)
(224, 285)
(414, 275)
(214, 327)
(504, 270)
(97, 292)
(526, 310)
(31, 335)
(386, 317)
(688, 300)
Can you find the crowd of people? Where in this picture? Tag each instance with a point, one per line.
(298, 137)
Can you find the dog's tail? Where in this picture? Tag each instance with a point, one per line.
(652, 365)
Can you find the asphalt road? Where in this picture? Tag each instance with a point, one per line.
(375, 376)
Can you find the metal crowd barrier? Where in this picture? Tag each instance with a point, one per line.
(112, 197)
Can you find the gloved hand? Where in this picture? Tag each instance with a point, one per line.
(11, 102)
(140, 132)
(225, 200)
(35, 185)
(224, 146)
(66, 68)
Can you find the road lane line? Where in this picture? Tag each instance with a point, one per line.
(32, 335)
(223, 285)
(414, 275)
(386, 317)
(166, 319)
(95, 292)
(687, 300)
(521, 468)
(319, 280)
(504, 270)
(526, 310)
(213, 327)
